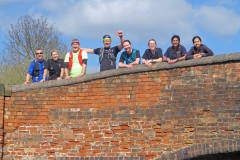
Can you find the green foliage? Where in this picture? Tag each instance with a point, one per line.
(14, 74)
(22, 39)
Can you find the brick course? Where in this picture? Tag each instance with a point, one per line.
(161, 114)
(2, 89)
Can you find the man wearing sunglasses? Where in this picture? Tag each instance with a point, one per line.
(107, 54)
(36, 68)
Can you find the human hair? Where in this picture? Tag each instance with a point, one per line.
(38, 49)
(127, 41)
(195, 38)
(152, 40)
(175, 36)
(54, 50)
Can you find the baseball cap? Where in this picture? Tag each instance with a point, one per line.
(75, 41)
(106, 37)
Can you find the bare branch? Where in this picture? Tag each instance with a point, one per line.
(22, 39)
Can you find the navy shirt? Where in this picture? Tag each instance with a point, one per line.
(129, 55)
(106, 63)
(203, 49)
(174, 54)
(41, 69)
(149, 55)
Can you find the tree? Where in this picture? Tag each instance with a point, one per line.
(22, 39)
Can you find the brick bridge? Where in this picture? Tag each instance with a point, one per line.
(163, 112)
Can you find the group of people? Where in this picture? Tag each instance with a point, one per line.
(75, 62)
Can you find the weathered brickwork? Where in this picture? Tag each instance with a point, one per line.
(1, 123)
(162, 114)
(1, 118)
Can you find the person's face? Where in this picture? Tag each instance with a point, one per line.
(152, 45)
(39, 54)
(107, 43)
(127, 46)
(75, 47)
(197, 42)
(175, 42)
(55, 56)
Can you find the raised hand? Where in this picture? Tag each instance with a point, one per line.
(119, 33)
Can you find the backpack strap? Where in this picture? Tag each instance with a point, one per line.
(101, 55)
(111, 55)
(36, 71)
(134, 55)
(54, 67)
(130, 59)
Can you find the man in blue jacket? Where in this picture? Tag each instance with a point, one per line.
(36, 68)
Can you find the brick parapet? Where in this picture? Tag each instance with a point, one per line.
(218, 59)
(135, 115)
(2, 90)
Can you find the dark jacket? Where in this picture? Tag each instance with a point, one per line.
(174, 54)
(203, 49)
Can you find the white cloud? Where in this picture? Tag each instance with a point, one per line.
(218, 20)
(140, 20)
(137, 18)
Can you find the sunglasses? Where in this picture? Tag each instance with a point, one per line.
(39, 53)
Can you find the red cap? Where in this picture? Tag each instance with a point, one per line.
(75, 41)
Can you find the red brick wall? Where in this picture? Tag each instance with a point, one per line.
(2, 90)
(141, 115)
(1, 123)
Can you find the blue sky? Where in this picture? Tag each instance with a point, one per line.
(217, 22)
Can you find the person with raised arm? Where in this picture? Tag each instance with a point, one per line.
(107, 54)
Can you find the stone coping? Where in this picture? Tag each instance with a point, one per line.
(217, 59)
